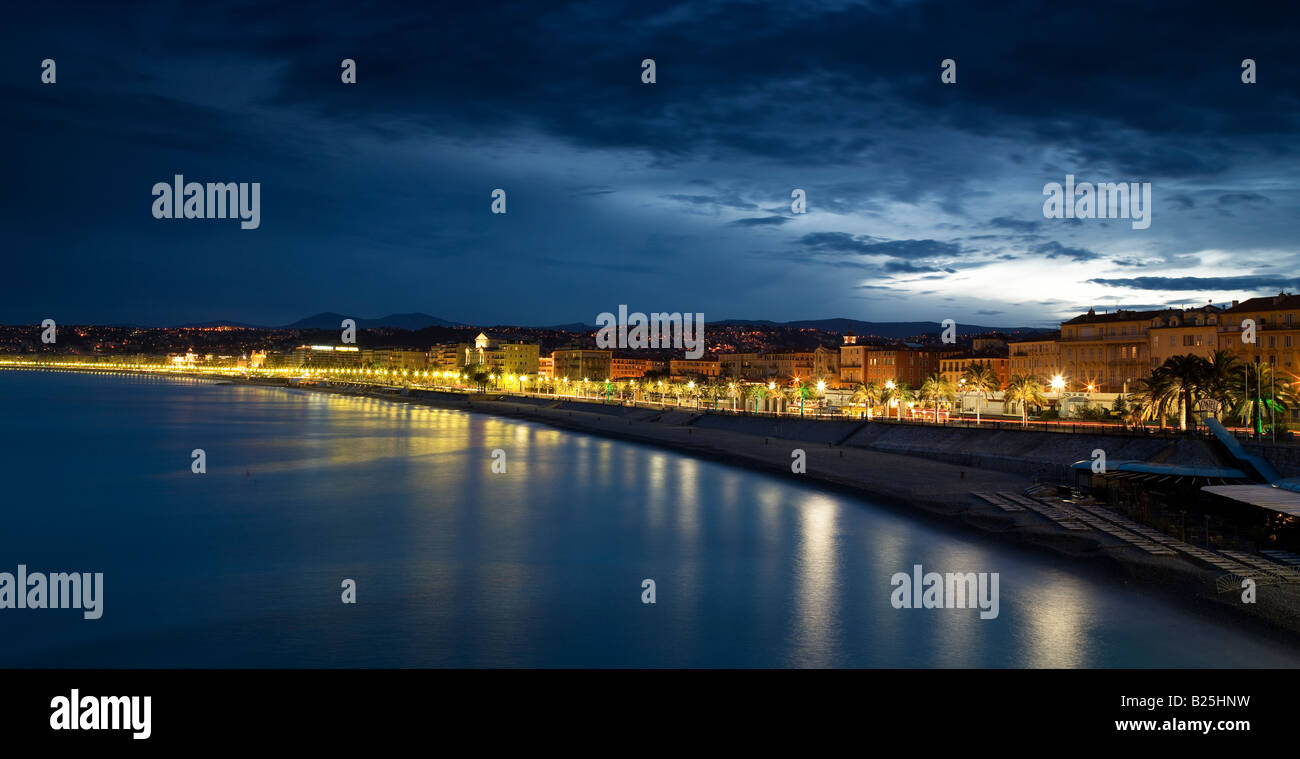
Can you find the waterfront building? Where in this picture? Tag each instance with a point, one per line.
(1038, 357)
(953, 367)
(686, 368)
(826, 366)
(742, 365)
(622, 367)
(581, 363)
(853, 361)
(510, 358)
(322, 357)
(783, 366)
(1277, 331)
(545, 367)
(789, 365)
(1108, 352)
(448, 357)
(988, 344)
(1194, 331)
(910, 364)
(395, 359)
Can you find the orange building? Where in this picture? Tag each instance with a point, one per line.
(1277, 331)
(1039, 358)
(910, 365)
(1179, 333)
(955, 366)
(624, 368)
(1108, 352)
(686, 368)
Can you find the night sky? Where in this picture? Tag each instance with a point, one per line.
(925, 200)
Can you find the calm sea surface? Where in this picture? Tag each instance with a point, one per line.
(458, 566)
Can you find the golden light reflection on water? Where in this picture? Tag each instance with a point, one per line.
(816, 581)
(1058, 615)
(604, 463)
(687, 502)
(956, 634)
(769, 507)
(658, 488)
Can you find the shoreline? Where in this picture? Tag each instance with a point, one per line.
(915, 485)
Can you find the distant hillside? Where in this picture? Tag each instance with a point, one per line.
(330, 320)
(883, 329)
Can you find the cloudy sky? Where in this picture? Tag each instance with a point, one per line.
(924, 200)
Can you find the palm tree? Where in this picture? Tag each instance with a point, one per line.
(1224, 368)
(714, 392)
(1025, 390)
(899, 394)
(1256, 393)
(799, 391)
(1186, 378)
(936, 388)
(757, 393)
(981, 380)
(866, 394)
(887, 391)
(1153, 397)
(479, 374)
(1136, 411)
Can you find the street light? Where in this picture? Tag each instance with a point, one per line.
(1058, 384)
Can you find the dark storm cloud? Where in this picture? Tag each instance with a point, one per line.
(1138, 96)
(1055, 249)
(715, 202)
(843, 243)
(761, 221)
(1210, 284)
(375, 192)
(1003, 222)
(1239, 198)
(906, 267)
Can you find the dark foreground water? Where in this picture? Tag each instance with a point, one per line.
(458, 566)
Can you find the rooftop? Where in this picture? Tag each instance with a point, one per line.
(1282, 300)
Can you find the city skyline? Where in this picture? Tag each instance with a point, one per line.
(924, 200)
